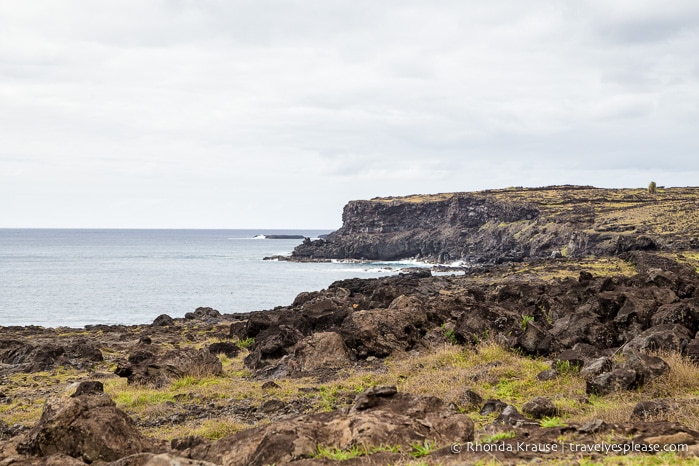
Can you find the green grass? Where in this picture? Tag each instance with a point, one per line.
(549, 422)
(422, 449)
(497, 437)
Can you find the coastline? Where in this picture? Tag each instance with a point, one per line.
(324, 360)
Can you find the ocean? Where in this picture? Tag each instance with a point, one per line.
(72, 278)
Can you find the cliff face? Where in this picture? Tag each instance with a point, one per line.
(512, 224)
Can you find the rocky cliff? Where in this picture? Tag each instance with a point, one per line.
(511, 225)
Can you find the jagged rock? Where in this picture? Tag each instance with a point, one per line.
(540, 407)
(692, 350)
(665, 337)
(650, 409)
(274, 346)
(492, 406)
(88, 388)
(324, 351)
(682, 313)
(593, 427)
(26, 357)
(512, 417)
(224, 347)
(379, 332)
(470, 400)
(548, 374)
(535, 339)
(89, 427)
(647, 367)
(203, 313)
(163, 320)
(147, 368)
(596, 367)
(616, 380)
(370, 397)
(400, 419)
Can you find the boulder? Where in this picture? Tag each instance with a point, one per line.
(664, 337)
(391, 419)
(324, 351)
(609, 382)
(535, 339)
(645, 410)
(492, 406)
(203, 313)
(647, 367)
(540, 407)
(89, 427)
(224, 347)
(157, 370)
(163, 320)
(512, 417)
(595, 367)
(379, 332)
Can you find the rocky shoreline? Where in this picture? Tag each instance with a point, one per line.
(558, 360)
(606, 330)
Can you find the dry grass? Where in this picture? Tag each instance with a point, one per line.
(487, 368)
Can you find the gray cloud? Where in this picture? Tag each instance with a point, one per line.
(275, 113)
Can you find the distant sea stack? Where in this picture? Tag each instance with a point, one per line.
(513, 224)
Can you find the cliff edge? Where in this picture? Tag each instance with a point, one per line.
(512, 224)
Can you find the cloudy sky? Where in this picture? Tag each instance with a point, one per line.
(275, 113)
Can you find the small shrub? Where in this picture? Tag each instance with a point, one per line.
(246, 343)
(422, 449)
(525, 320)
(565, 367)
(549, 422)
(450, 335)
(335, 454)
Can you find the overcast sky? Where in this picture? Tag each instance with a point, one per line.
(263, 114)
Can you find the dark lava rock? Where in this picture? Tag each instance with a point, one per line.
(665, 337)
(370, 397)
(492, 406)
(400, 419)
(692, 350)
(88, 388)
(548, 374)
(535, 339)
(163, 320)
(157, 370)
(512, 417)
(540, 407)
(203, 313)
(616, 380)
(223, 347)
(89, 427)
(645, 410)
(596, 367)
(470, 400)
(269, 385)
(647, 367)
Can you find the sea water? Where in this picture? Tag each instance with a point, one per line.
(78, 277)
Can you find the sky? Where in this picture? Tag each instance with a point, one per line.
(276, 113)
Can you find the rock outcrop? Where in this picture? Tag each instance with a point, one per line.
(511, 225)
